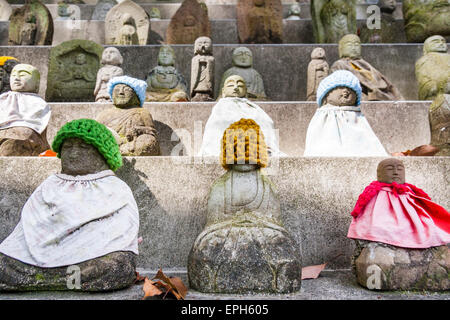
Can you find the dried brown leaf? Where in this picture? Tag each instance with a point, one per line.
(139, 278)
(150, 290)
(312, 272)
(173, 285)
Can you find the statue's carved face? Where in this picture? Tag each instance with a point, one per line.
(203, 45)
(295, 9)
(24, 78)
(435, 44)
(350, 46)
(189, 21)
(318, 53)
(80, 59)
(81, 158)
(112, 56)
(341, 96)
(124, 96)
(166, 57)
(391, 170)
(242, 57)
(234, 86)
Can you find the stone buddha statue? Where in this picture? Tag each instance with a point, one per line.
(112, 61)
(294, 12)
(28, 30)
(386, 32)
(5, 71)
(433, 69)
(244, 247)
(337, 18)
(202, 71)
(375, 86)
(242, 60)
(131, 124)
(318, 70)
(128, 32)
(155, 14)
(401, 236)
(165, 83)
(63, 11)
(24, 115)
(83, 219)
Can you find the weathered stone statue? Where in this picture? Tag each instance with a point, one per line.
(244, 247)
(242, 60)
(231, 107)
(332, 19)
(155, 14)
(294, 12)
(424, 18)
(5, 73)
(111, 60)
(101, 9)
(5, 10)
(63, 11)
(165, 83)
(318, 70)
(339, 128)
(439, 115)
(402, 237)
(260, 21)
(31, 24)
(386, 32)
(202, 71)
(433, 69)
(132, 124)
(127, 23)
(24, 115)
(189, 22)
(83, 221)
(72, 71)
(375, 86)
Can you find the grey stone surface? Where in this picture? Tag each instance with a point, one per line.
(316, 196)
(288, 64)
(78, 29)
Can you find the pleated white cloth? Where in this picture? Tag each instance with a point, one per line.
(229, 110)
(341, 132)
(71, 219)
(24, 109)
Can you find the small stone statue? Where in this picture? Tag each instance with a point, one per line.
(128, 32)
(332, 19)
(202, 71)
(386, 32)
(231, 108)
(244, 247)
(63, 11)
(132, 124)
(111, 60)
(5, 71)
(318, 70)
(242, 60)
(339, 128)
(83, 217)
(439, 115)
(375, 86)
(24, 115)
(155, 14)
(401, 235)
(433, 69)
(165, 83)
(5, 10)
(294, 12)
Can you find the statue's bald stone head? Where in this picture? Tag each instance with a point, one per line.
(391, 170)
(166, 56)
(203, 45)
(25, 78)
(234, 86)
(350, 47)
(435, 44)
(242, 57)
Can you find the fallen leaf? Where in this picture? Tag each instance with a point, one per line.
(312, 272)
(150, 290)
(173, 285)
(139, 278)
(181, 288)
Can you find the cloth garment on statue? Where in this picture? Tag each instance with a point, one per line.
(24, 109)
(401, 215)
(229, 110)
(341, 132)
(72, 219)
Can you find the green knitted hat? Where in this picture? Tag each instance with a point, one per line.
(94, 133)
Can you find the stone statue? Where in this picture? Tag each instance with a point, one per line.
(111, 60)
(101, 9)
(402, 237)
(339, 128)
(433, 69)
(31, 24)
(24, 115)
(242, 60)
(132, 125)
(202, 71)
(244, 247)
(231, 107)
(439, 115)
(72, 71)
(424, 18)
(165, 83)
(260, 21)
(188, 23)
(5, 71)
(155, 14)
(294, 12)
(83, 217)
(386, 32)
(5, 10)
(332, 19)
(375, 86)
(318, 69)
(63, 12)
(127, 23)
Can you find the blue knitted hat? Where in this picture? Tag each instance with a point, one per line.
(339, 78)
(139, 86)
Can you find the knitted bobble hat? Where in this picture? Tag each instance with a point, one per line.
(94, 133)
(339, 78)
(139, 86)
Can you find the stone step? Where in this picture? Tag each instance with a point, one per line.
(399, 125)
(283, 67)
(316, 195)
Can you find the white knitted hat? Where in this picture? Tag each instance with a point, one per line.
(139, 86)
(339, 78)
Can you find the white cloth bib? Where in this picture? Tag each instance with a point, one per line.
(71, 219)
(341, 132)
